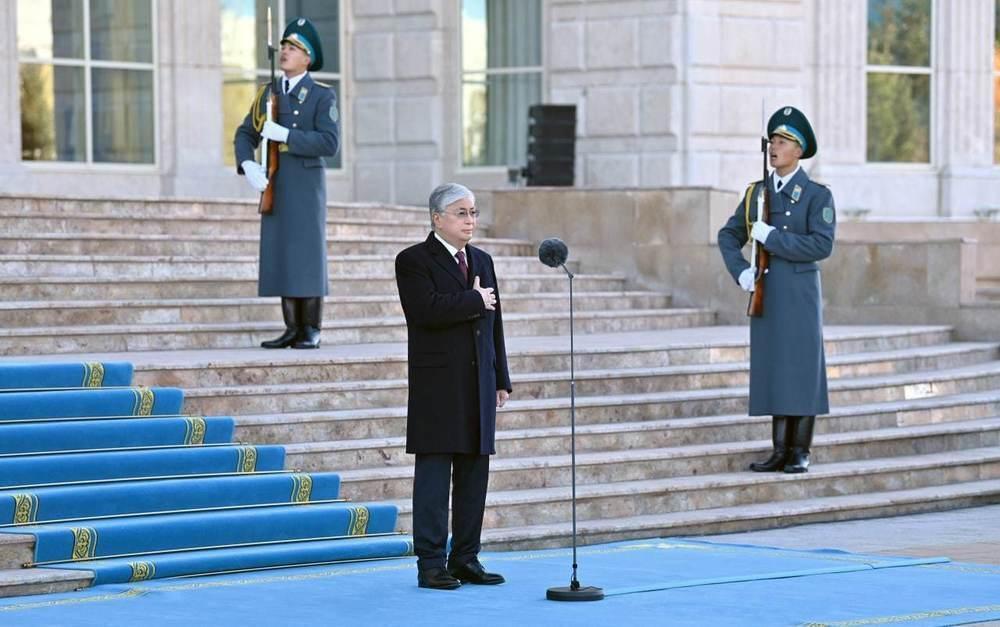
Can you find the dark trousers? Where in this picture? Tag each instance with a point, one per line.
(433, 475)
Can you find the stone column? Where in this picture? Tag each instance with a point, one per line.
(963, 89)
(10, 119)
(398, 62)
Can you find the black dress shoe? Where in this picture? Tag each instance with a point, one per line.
(473, 572)
(437, 579)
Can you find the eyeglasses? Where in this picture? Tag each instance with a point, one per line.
(462, 214)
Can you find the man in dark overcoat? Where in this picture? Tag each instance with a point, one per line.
(787, 362)
(293, 236)
(457, 379)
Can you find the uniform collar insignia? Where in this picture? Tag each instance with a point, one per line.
(796, 192)
(303, 92)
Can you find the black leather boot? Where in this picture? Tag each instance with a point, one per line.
(798, 458)
(311, 323)
(289, 311)
(779, 432)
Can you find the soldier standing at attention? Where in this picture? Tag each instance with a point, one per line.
(293, 235)
(787, 364)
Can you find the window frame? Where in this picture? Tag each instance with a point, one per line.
(918, 70)
(486, 72)
(259, 76)
(994, 51)
(88, 164)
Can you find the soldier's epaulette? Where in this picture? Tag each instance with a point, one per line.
(820, 183)
(323, 85)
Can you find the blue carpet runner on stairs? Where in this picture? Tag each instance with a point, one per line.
(117, 481)
(83, 375)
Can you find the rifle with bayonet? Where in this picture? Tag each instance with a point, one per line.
(268, 148)
(759, 257)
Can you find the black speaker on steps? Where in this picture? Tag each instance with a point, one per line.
(551, 145)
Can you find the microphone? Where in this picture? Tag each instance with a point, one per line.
(553, 252)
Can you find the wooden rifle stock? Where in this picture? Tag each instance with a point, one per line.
(755, 308)
(266, 204)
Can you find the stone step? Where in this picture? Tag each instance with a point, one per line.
(687, 346)
(88, 243)
(189, 208)
(224, 310)
(548, 431)
(834, 476)
(31, 581)
(748, 517)
(113, 268)
(382, 448)
(597, 397)
(695, 464)
(66, 288)
(13, 223)
(146, 337)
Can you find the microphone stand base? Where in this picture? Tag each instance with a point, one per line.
(567, 593)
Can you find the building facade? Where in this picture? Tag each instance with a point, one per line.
(141, 97)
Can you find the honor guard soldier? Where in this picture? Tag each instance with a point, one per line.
(293, 250)
(787, 363)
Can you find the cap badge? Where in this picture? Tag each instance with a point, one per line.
(301, 22)
(787, 111)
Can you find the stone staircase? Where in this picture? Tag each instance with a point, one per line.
(663, 440)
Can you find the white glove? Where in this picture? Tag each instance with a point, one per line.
(746, 279)
(274, 132)
(255, 175)
(760, 231)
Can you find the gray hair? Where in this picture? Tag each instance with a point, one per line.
(444, 195)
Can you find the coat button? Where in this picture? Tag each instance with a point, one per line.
(788, 213)
(477, 332)
(294, 125)
(296, 112)
(473, 363)
(785, 227)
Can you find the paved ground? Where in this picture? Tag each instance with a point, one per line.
(964, 535)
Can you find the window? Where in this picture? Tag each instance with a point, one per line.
(86, 72)
(501, 78)
(899, 80)
(244, 55)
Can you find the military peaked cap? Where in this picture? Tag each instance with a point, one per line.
(792, 124)
(302, 34)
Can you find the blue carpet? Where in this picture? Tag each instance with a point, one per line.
(136, 401)
(167, 532)
(104, 434)
(779, 587)
(110, 499)
(74, 467)
(15, 376)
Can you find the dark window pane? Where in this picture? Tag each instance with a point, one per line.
(50, 28)
(899, 32)
(121, 30)
(324, 14)
(513, 36)
(495, 117)
(52, 113)
(123, 115)
(899, 117)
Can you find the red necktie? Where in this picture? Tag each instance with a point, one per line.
(462, 266)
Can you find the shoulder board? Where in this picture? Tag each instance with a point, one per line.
(819, 184)
(323, 85)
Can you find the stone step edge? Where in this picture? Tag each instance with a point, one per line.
(387, 321)
(157, 259)
(917, 404)
(786, 511)
(984, 369)
(262, 300)
(10, 280)
(207, 218)
(26, 582)
(687, 450)
(482, 242)
(598, 458)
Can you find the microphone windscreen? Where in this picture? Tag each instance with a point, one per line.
(553, 252)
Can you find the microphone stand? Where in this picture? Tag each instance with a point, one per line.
(573, 592)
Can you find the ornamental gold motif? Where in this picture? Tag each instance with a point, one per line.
(247, 459)
(301, 488)
(359, 521)
(25, 508)
(93, 374)
(84, 543)
(196, 428)
(142, 571)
